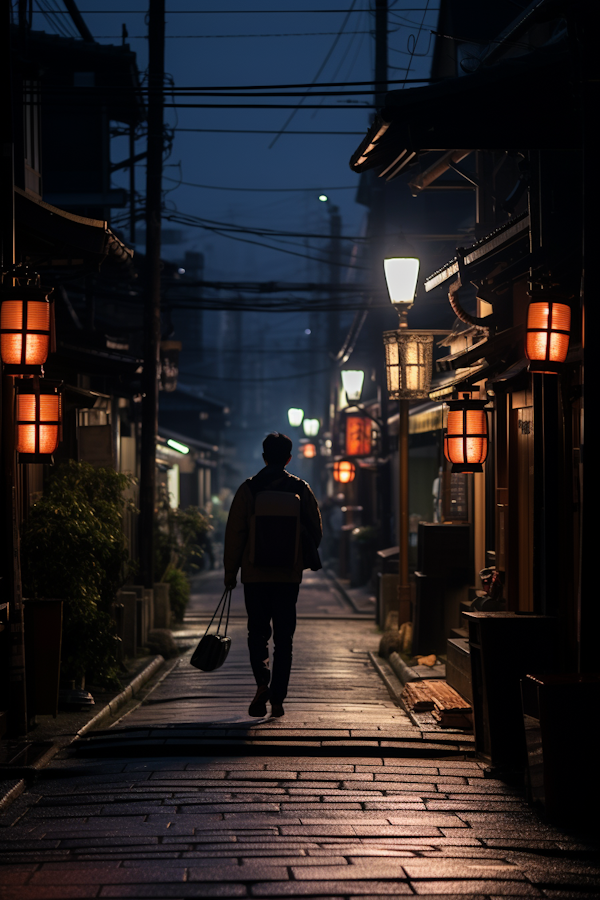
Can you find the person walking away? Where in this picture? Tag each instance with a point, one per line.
(273, 532)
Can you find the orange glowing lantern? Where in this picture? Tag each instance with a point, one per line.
(358, 436)
(344, 471)
(39, 419)
(309, 451)
(466, 437)
(548, 331)
(25, 323)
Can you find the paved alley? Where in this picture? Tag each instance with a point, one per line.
(186, 796)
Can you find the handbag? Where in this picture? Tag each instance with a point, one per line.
(212, 649)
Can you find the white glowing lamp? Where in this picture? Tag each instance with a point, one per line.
(295, 417)
(352, 381)
(401, 274)
(311, 427)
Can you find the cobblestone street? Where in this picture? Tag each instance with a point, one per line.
(186, 796)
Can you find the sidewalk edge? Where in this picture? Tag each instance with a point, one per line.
(389, 678)
(332, 577)
(18, 785)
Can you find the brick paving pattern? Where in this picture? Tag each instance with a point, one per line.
(330, 801)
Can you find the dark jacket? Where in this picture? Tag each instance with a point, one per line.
(237, 533)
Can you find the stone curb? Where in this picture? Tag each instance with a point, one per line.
(330, 576)
(17, 786)
(389, 678)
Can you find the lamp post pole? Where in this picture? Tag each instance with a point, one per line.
(403, 532)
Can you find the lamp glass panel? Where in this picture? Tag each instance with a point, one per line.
(26, 407)
(401, 274)
(49, 438)
(10, 347)
(38, 315)
(352, 381)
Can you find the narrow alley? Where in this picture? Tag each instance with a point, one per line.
(186, 796)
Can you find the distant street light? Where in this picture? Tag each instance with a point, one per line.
(344, 471)
(295, 417)
(309, 451)
(323, 198)
(311, 427)
(177, 445)
(352, 381)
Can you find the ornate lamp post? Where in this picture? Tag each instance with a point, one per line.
(408, 357)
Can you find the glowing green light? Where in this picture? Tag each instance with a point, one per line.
(175, 445)
(323, 198)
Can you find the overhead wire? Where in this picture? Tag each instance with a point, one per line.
(323, 64)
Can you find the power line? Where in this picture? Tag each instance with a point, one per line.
(235, 12)
(261, 131)
(258, 87)
(213, 187)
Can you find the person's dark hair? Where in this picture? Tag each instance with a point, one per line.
(277, 448)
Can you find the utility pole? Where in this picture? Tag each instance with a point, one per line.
(156, 68)
(12, 659)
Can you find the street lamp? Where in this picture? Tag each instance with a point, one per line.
(352, 382)
(311, 427)
(295, 417)
(408, 358)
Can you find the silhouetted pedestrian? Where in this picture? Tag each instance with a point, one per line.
(273, 532)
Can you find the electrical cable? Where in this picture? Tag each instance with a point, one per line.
(323, 64)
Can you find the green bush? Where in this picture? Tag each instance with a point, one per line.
(179, 536)
(73, 549)
(179, 592)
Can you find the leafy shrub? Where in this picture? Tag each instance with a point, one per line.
(179, 592)
(73, 549)
(179, 539)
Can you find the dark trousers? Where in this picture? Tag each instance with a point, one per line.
(266, 602)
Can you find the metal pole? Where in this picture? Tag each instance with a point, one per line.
(403, 534)
(156, 58)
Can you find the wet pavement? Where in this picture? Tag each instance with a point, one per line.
(186, 796)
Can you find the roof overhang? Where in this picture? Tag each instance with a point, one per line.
(59, 238)
(513, 104)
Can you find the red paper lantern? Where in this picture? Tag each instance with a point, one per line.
(309, 451)
(344, 471)
(466, 437)
(358, 436)
(25, 324)
(39, 419)
(548, 332)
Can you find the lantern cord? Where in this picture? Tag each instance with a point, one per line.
(462, 314)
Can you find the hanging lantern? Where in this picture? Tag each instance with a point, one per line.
(344, 471)
(358, 436)
(309, 451)
(25, 322)
(311, 427)
(466, 436)
(39, 420)
(408, 363)
(548, 331)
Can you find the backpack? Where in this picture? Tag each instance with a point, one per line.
(275, 524)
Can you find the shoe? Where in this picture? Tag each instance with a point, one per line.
(258, 707)
(277, 710)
